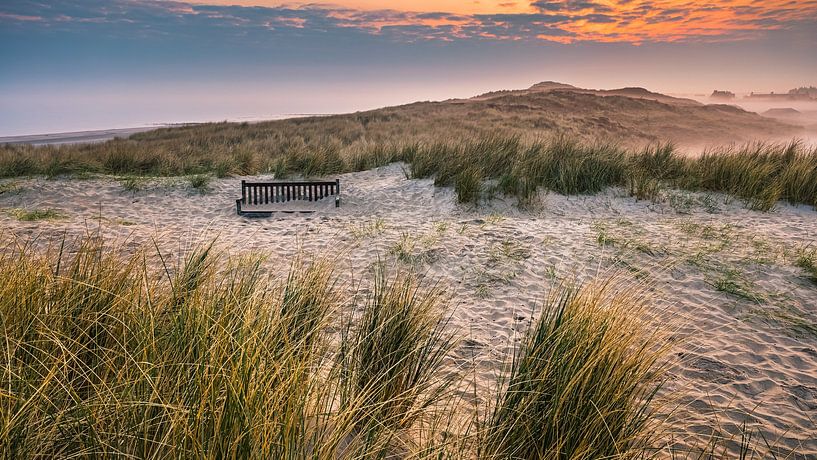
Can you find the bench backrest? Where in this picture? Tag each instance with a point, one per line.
(257, 193)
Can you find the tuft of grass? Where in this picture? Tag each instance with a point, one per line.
(468, 186)
(10, 188)
(807, 260)
(223, 168)
(133, 184)
(30, 215)
(413, 250)
(760, 174)
(644, 187)
(581, 383)
(731, 282)
(391, 361)
(404, 249)
(509, 250)
(200, 182)
(368, 229)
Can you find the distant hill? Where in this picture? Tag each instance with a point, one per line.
(782, 113)
(548, 85)
(551, 86)
(630, 116)
(627, 116)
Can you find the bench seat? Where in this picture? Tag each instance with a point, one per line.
(260, 198)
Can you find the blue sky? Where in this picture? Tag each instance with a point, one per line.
(91, 64)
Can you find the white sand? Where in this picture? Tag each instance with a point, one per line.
(748, 357)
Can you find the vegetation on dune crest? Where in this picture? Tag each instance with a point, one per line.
(759, 174)
(111, 356)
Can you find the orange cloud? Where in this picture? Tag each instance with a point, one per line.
(565, 21)
(673, 20)
(415, 6)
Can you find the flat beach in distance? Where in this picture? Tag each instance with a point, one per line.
(78, 137)
(723, 267)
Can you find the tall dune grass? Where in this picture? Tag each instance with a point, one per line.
(390, 360)
(582, 383)
(104, 357)
(760, 174)
(107, 356)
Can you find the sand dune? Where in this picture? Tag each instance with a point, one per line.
(746, 349)
(631, 117)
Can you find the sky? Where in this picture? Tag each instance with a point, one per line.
(74, 65)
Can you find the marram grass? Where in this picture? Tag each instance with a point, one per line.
(582, 383)
(121, 356)
(759, 174)
(108, 357)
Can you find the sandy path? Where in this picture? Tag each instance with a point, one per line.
(747, 348)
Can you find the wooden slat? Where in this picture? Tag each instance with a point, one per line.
(290, 183)
(337, 193)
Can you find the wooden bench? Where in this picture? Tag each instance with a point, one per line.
(265, 193)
